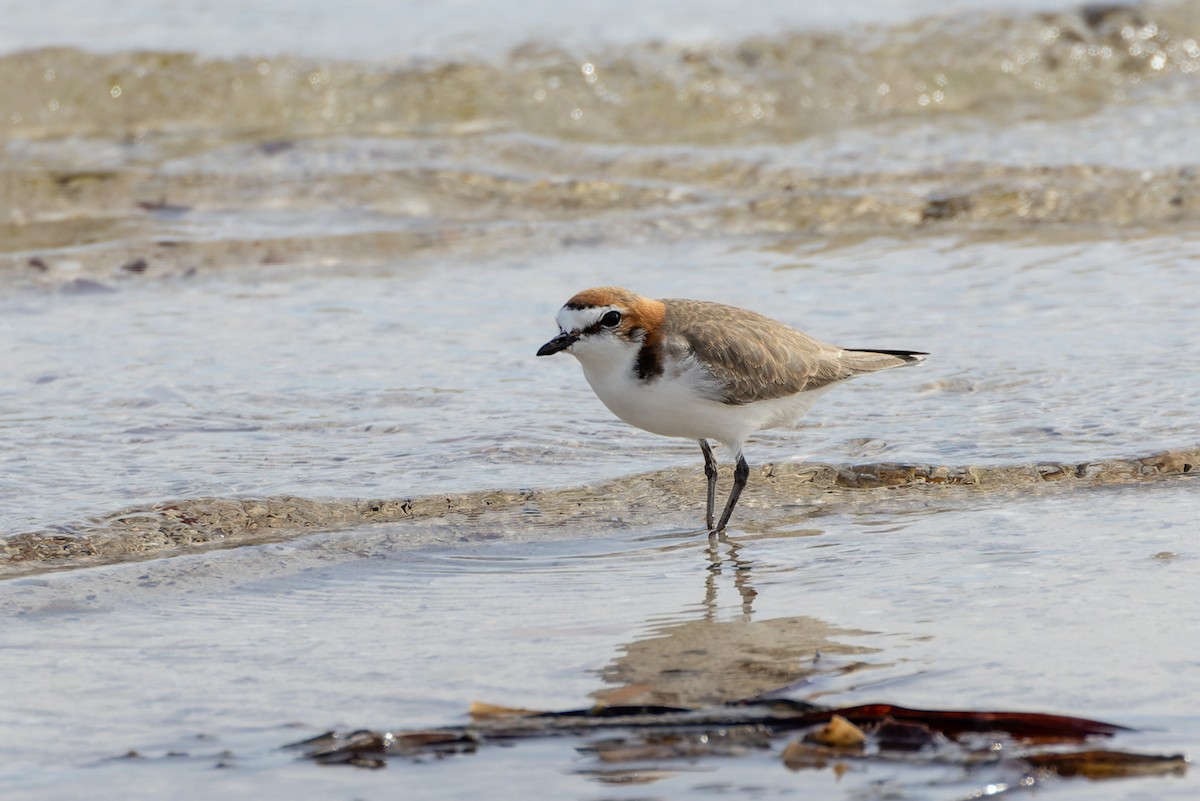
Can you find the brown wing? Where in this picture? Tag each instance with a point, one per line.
(753, 358)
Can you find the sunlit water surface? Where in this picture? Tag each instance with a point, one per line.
(413, 380)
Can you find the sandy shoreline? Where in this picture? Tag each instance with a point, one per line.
(197, 524)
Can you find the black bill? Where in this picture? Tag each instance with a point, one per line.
(560, 342)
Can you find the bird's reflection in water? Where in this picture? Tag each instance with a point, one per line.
(733, 563)
(723, 653)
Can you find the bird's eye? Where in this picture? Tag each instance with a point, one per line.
(611, 319)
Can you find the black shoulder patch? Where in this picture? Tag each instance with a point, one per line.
(649, 362)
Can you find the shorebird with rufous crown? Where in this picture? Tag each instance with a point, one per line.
(703, 371)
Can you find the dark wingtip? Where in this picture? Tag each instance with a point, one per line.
(909, 356)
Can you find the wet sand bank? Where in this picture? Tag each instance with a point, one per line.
(189, 525)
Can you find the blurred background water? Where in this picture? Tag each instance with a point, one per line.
(369, 30)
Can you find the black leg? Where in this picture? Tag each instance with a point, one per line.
(741, 474)
(710, 472)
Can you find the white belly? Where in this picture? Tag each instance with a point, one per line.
(670, 406)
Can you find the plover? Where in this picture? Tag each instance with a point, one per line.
(703, 371)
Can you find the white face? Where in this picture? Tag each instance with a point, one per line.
(576, 321)
(602, 339)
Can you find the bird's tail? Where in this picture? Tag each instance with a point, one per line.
(907, 356)
(868, 360)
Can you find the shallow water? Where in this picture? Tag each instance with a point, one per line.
(1070, 602)
(238, 267)
(315, 385)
